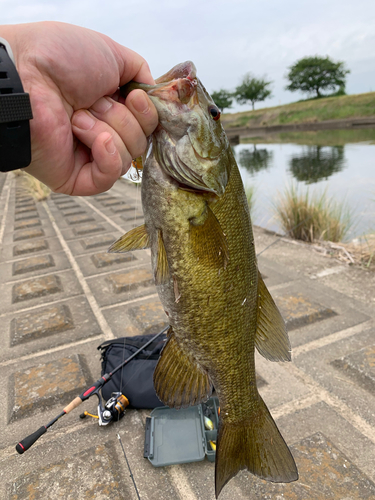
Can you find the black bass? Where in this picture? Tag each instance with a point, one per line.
(198, 226)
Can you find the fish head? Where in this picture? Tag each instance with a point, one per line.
(189, 143)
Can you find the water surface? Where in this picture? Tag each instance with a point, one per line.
(314, 161)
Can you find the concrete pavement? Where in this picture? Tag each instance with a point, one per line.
(62, 295)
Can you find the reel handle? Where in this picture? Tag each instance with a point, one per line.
(26, 443)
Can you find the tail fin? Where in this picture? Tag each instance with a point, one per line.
(256, 445)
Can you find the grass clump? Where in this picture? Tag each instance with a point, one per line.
(33, 186)
(250, 197)
(310, 217)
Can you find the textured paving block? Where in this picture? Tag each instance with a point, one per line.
(131, 216)
(24, 210)
(30, 247)
(79, 219)
(41, 323)
(98, 241)
(113, 202)
(150, 316)
(33, 264)
(298, 311)
(46, 384)
(91, 474)
(30, 214)
(121, 208)
(23, 224)
(28, 234)
(87, 229)
(73, 211)
(107, 259)
(123, 282)
(325, 473)
(360, 366)
(37, 287)
(65, 201)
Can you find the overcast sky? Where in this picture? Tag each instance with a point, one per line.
(226, 39)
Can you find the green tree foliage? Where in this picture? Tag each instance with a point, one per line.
(313, 74)
(252, 90)
(223, 99)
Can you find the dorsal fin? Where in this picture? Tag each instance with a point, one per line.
(208, 239)
(271, 338)
(135, 239)
(179, 380)
(162, 268)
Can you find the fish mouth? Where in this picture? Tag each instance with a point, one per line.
(174, 95)
(177, 85)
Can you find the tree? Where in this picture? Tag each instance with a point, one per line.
(223, 99)
(313, 74)
(252, 89)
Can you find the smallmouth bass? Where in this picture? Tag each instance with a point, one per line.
(198, 226)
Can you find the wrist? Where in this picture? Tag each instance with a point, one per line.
(15, 110)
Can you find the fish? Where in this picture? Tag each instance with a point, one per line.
(198, 227)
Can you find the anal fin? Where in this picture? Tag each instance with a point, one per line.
(271, 338)
(179, 381)
(135, 239)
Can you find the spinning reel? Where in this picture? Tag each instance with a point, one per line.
(114, 409)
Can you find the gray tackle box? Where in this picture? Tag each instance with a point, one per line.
(179, 436)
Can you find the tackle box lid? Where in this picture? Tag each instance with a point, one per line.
(175, 436)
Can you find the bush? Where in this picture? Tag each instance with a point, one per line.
(312, 217)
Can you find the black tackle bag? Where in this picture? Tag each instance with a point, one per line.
(135, 379)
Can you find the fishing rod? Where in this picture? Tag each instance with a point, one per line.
(113, 409)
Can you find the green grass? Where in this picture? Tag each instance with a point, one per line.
(310, 217)
(316, 110)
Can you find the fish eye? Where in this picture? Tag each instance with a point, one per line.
(214, 112)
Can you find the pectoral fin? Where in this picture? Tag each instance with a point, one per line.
(135, 239)
(208, 239)
(271, 338)
(179, 380)
(162, 269)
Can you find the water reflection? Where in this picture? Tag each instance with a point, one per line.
(316, 163)
(256, 160)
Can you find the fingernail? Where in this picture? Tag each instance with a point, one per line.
(140, 103)
(110, 146)
(83, 120)
(102, 105)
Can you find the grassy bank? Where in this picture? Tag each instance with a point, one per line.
(328, 108)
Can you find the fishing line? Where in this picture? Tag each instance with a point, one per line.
(131, 474)
(283, 236)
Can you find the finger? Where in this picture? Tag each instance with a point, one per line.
(98, 170)
(143, 109)
(123, 121)
(86, 127)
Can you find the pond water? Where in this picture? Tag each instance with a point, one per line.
(315, 161)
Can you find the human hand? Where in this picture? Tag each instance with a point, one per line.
(83, 134)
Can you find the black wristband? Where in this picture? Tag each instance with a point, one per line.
(15, 113)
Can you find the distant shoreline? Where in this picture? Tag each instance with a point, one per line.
(345, 124)
(328, 113)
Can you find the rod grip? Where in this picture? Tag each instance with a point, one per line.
(26, 443)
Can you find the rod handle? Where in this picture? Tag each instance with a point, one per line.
(26, 443)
